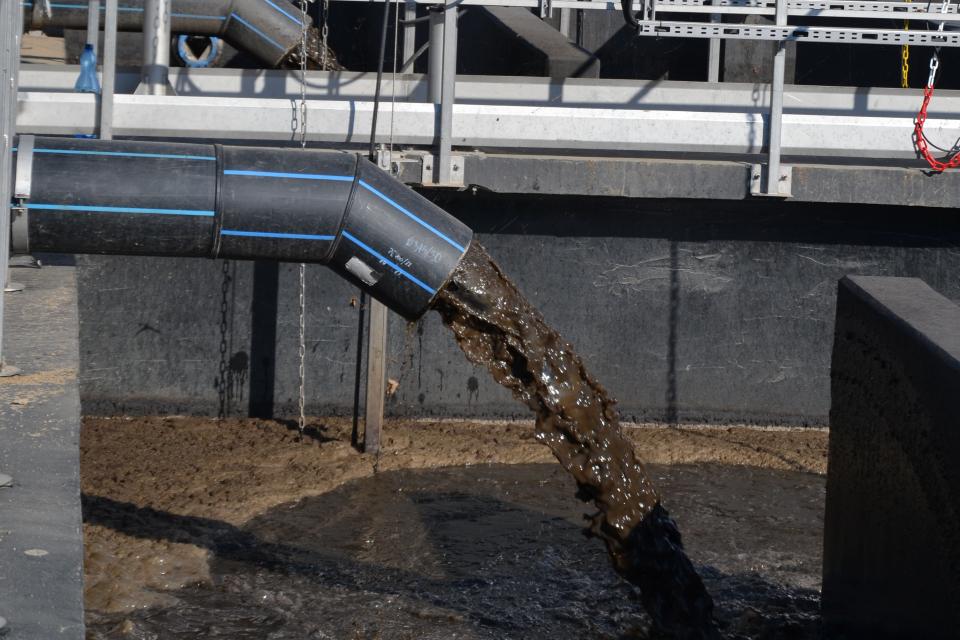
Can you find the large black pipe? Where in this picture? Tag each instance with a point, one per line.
(166, 199)
(267, 29)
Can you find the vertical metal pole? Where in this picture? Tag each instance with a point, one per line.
(409, 32)
(435, 55)
(109, 69)
(448, 91)
(156, 48)
(11, 25)
(713, 62)
(93, 24)
(776, 105)
(376, 377)
(565, 22)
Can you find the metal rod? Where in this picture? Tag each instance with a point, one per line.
(776, 106)
(435, 59)
(713, 62)
(409, 33)
(109, 69)
(448, 95)
(156, 47)
(11, 24)
(93, 24)
(376, 377)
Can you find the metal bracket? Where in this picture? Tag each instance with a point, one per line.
(427, 171)
(22, 187)
(758, 180)
(546, 8)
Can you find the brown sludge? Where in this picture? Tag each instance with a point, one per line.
(496, 327)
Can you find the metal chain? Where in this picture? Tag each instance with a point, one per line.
(952, 161)
(905, 59)
(302, 346)
(324, 32)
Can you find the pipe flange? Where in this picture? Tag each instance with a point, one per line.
(22, 187)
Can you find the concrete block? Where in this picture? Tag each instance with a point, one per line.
(892, 527)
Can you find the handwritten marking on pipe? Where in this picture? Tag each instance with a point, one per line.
(122, 154)
(270, 234)
(388, 262)
(106, 209)
(295, 176)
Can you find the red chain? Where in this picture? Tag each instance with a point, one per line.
(921, 142)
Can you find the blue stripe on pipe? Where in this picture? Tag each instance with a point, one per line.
(257, 31)
(410, 215)
(297, 20)
(270, 234)
(83, 7)
(197, 17)
(122, 154)
(104, 209)
(378, 256)
(296, 176)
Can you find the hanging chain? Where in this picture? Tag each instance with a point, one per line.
(324, 32)
(302, 345)
(905, 59)
(953, 160)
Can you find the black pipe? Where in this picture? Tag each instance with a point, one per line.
(267, 29)
(293, 205)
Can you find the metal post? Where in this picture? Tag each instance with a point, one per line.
(156, 48)
(435, 55)
(566, 21)
(11, 25)
(376, 377)
(448, 91)
(409, 33)
(776, 106)
(93, 24)
(713, 61)
(109, 69)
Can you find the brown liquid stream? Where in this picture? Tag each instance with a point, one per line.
(497, 328)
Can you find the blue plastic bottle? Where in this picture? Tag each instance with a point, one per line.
(87, 82)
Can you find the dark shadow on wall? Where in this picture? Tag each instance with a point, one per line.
(263, 338)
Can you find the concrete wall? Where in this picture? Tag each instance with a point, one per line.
(892, 527)
(685, 310)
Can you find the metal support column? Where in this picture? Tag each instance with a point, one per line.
(108, 83)
(93, 24)
(409, 33)
(448, 91)
(156, 49)
(776, 182)
(376, 377)
(435, 55)
(713, 59)
(11, 24)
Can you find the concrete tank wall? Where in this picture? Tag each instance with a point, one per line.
(705, 311)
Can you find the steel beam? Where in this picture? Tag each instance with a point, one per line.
(156, 48)
(810, 136)
(11, 20)
(520, 91)
(448, 96)
(108, 84)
